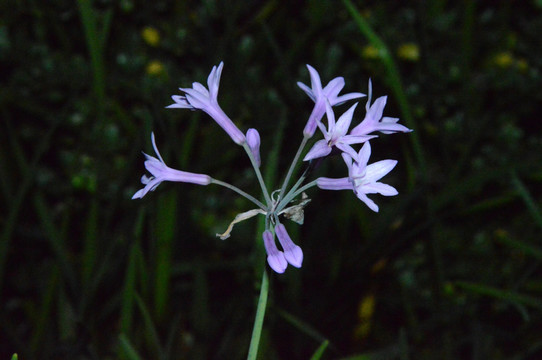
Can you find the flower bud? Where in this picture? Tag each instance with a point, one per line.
(292, 252)
(253, 141)
(275, 257)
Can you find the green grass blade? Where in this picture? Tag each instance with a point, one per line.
(95, 44)
(302, 326)
(24, 187)
(528, 249)
(506, 295)
(90, 246)
(129, 291)
(128, 349)
(55, 237)
(534, 210)
(320, 351)
(44, 318)
(394, 79)
(151, 332)
(186, 147)
(165, 231)
(201, 317)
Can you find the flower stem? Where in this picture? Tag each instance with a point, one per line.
(258, 321)
(240, 192)
(292, 194)
(258, 175)
(292, 166)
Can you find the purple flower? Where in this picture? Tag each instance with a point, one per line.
(200, 98)
(374, 121)
(335, 135)
(161, 172)
(362, 178)
(275, 257)
(319, 96)
(253, 142)
(292, 252)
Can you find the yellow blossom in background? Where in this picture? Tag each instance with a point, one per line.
(154, 68)
(379, 266)
(522, 65)
(409, 51)
(150, 35)
(504, 59)
(366, 307)
(365, 314)
(501, 233)
(370, 52)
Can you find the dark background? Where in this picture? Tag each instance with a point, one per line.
(448, 269)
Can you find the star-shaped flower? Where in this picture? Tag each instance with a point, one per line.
(320, 95)
(374, 121)
(200, 98)
(362, 178)
(161, 172)
(335, 135)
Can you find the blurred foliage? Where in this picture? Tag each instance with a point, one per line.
(448, 269)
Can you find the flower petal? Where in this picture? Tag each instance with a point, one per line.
(370, 203)
(380, 188)
(307, 90)
(364, 154)
(213, 81)
(345, 148)
(180, 102)
(330, 116)
(344, 98)
(379, 169)
(275, 258)
(376, 110)
(292, 252)
(334, 184)
(341, 128)
(316, 83)
(333, 88)
(318, 150)
(153, 140)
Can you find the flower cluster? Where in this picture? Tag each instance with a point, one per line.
(363, 178)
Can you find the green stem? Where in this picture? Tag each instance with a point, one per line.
(259, 176)
(292, 166)
(258, 322)
(240, 192)
(287, 198)
(292, 196)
